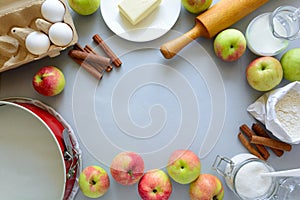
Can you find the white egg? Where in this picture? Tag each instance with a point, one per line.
(53, 10)
(60, 34)
(37, 43)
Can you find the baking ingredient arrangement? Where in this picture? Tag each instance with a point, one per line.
(45, 28)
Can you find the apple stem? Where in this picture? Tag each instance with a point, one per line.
(93, 182)
(154, 190)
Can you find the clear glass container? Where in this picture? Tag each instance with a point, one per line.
(285, 22)
(260, 38)
(242, 176)
(269, 33)
(289, 188)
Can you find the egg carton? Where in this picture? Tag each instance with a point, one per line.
(18, 18)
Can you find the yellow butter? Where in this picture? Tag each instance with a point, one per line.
(136, 10)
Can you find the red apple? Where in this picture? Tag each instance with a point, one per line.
(127, 168)
(264, 73)
(94, 181)
(184, 166)
(155, 185)
(230, 45)
(49, 81)
(206, 187)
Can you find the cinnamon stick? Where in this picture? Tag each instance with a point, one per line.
(115, 60)
(89, 49)
(246, 130)
(98, 66)
(249, 133)
(259, 130)
(270, 143)
(87, 66)
(93, 71)
(89, 57)
(78, 47)
(263, 151)
(248, 146)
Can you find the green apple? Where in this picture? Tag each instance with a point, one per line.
(206, 187)
(264, 73)
(290, 62)
(184, 166)
(230, 44)
(196, 6)
(93, 181)
(84, 7)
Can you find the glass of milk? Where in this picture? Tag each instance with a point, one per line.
(242, 176)
(260, 38)
(269, 33)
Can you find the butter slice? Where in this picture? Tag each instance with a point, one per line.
(137, 10)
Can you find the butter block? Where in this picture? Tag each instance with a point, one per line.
(137, 10)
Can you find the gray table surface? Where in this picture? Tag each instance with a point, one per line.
(239, 95)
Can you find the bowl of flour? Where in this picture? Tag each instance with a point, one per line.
(279, 110)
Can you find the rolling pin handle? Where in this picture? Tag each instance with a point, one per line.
(171, 48)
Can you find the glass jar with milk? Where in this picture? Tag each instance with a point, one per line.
(269, 33)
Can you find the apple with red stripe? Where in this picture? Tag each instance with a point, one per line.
(49, 81)
(206, 187)
(127, 168)
(94, 181)
(155, 185)
(230, 45)
(184, 166)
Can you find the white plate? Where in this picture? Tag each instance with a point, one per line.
(159, 22)
(32, 165)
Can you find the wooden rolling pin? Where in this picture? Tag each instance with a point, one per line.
(217, 18)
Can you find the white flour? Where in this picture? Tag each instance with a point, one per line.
(288, 113)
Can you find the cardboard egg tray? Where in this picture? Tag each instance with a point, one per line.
(23, 14)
